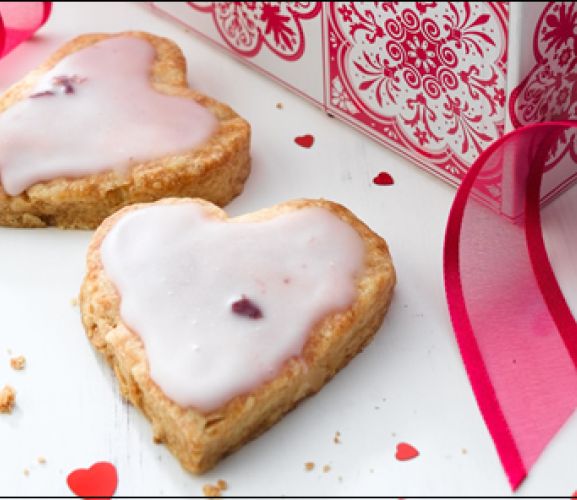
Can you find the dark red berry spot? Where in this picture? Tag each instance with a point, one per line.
(44, 93)
(246, 307)
(66, 83)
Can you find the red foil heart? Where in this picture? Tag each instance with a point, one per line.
(100, 480)
(406, 452)
(383, 179)
(305, 141)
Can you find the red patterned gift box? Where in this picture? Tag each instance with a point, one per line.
(435, 81)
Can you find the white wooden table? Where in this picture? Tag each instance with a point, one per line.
(408, 385)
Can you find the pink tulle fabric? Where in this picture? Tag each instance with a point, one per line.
(517, 336)
(19, 21)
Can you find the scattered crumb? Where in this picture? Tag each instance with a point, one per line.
(18, 363)
(279, 105)
(337, 438)
(377, 407)
(309, 466)
(394, 434)
(26, 472)
(340, 478)
(41, 460)
(464, 451)
(7, 399)
(215, 490)
(74, 301)
(326, 468)
(209, 490)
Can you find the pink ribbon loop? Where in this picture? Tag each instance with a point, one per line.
(19, 21)
(517, 336)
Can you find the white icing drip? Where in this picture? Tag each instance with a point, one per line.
(112, 119)
(178, 271)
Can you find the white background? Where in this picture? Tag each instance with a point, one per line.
(408, 385)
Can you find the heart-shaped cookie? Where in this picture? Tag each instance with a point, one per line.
(217, 327)
(108, 121)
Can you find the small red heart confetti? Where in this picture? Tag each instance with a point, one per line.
(100, 480)
(406, 452)
(383, 179)
(305, 141)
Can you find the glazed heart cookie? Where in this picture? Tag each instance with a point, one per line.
(107, 121)
(217, 327)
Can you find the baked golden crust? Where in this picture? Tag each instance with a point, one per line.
(215, 171)
(199, 440)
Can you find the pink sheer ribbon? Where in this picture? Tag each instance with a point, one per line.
(517, 336)
(19, 21)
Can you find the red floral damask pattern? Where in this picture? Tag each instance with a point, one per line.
(246, 26)
(549, 92)
(428, 76)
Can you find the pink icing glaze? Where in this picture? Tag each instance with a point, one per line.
(178, 271)
(111, 119)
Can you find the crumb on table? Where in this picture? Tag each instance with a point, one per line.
(326, 468)
(279, 105)
(337, 438)
(41, 460)
(7, 399)
(26, 472)
(210, 490)
(74, 301)
(222, 485)
(309, 466)
(18, 363)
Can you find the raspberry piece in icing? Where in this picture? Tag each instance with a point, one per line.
(246, 307)
(66, 83)
(43, 93)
